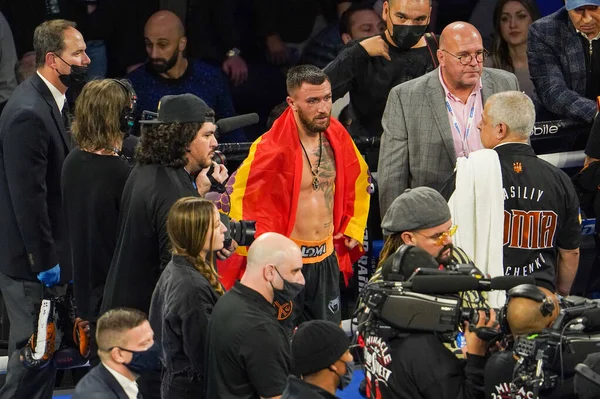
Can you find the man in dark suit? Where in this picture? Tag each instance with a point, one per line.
(34, 141)
(126, 348)
(564, 61)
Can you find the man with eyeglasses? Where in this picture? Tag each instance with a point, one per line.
(420, 217)
(420, 365)
(431, 121)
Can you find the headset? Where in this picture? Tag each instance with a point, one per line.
(396, 260)
(392, 268)
(528, 291)
(127, 116)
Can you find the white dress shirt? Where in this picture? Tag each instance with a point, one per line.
(58, 96)
(130, 387)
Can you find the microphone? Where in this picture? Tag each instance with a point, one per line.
(443, 284)
(452, 284)
(504, 283)
(226, 125)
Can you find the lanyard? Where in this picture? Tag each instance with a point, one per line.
(468, 127)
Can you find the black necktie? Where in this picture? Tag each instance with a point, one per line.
(66, 116)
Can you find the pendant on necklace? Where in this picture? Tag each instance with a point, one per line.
(315, 183)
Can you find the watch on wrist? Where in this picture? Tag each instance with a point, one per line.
(233, 52)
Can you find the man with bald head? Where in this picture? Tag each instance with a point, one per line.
(430, 121)
(168, 72)
(248, 354)
(529, 310)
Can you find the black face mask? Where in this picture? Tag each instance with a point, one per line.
(289, 291)
(77, 77)
(406, 36)
(166, 65)
(143, 361)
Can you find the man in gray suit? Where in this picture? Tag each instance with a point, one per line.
(431, 121)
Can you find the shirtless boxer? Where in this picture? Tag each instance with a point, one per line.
(305, 179)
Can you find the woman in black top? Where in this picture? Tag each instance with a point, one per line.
(93, 177)
(185, 295)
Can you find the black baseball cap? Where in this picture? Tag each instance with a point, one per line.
(182, 108)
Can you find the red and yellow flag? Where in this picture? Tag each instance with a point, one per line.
(266, 188)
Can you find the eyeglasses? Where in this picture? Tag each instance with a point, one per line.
(466, 59)
(441, 237)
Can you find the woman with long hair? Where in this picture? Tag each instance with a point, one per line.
(185, 295)
(93, 178)
(512, 19)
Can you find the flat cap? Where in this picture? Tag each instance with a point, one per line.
(416, 209)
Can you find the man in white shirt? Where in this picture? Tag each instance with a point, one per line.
(126, 349)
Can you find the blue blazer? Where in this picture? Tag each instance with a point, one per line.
(557, 67)
(99, 383)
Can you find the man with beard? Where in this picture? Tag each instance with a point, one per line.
(409, 363)
(168, 72)
(173, 158)
(421, 217)
(305, 179)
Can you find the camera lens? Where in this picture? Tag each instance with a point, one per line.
(243, 231)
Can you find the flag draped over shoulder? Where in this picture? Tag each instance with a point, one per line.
(266, 188)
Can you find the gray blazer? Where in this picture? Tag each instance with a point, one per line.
(417, 148)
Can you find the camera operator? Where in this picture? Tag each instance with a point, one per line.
(524, 316)
(173, 148)
(417, 364)
(421, 217)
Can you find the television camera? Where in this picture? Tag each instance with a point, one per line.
(429, 300)
(546, 359)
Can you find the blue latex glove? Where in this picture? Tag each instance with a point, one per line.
(50, 277)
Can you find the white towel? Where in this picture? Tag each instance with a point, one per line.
(477, 207)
